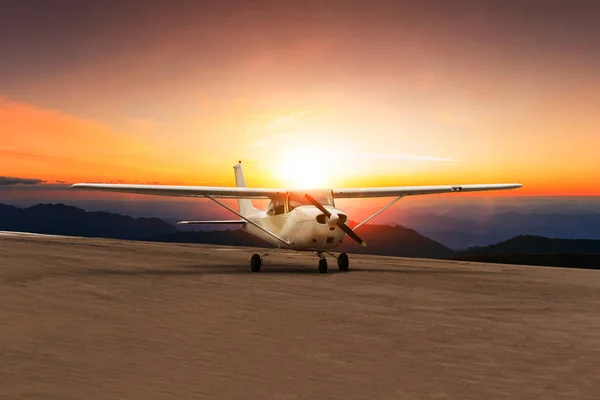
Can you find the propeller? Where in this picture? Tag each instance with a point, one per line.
(340, 222)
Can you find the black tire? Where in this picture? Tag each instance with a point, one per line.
(322, 266)
(255, 263)
(343, 262)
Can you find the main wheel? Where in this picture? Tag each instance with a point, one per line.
(343, 262)
(322, 266)
(255, 263)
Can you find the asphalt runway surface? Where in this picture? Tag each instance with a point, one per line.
(107, 319)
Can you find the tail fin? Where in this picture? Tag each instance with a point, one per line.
(245, 205)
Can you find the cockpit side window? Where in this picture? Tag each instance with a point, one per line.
(279, 207)
(276, 207)
(271, 209)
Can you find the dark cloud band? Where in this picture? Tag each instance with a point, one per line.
(7, 180)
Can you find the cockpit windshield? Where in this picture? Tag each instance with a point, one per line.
(297, 199)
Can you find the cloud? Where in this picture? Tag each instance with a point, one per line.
(460, 118)
(263, 140)
(29, 156)
(286, 119)
(277, 124)
(51, 145)
(7, 180)
(405, 157)
(140, 127)
(34, 188)
(26, 128)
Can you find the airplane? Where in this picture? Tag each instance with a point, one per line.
(301, 220)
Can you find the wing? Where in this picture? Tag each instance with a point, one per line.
(417, 190)
(186, 191)
(267, 193)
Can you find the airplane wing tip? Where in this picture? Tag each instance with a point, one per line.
(79, 186)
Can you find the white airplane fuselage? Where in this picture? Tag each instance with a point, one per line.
(300, 227)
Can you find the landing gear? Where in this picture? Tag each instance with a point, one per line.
(255, 263)
(343, 262)
(322, 265)
(256, 259)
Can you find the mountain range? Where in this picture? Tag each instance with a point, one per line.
(456, 223)
(459, 231)
(395, 240)
(529, 244)
(60, 219)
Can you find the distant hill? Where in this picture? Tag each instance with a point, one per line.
(461, 231)
(538, 250)
(395, 241)
(464, 239)
(60, 219)
(528, 244)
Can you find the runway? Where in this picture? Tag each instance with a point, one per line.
(104, 319)
(29, 234)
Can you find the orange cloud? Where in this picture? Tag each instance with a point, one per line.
(47, 136)
(53, 132)
(52, 145)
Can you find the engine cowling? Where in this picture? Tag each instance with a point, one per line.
(333, 220)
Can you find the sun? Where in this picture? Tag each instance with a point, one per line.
(303, 168)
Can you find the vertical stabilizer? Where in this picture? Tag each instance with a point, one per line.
(245, 205)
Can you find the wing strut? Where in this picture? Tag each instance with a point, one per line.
(388, 205)
(268, 232)
(221, 222)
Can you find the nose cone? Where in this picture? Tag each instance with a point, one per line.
(333, 219)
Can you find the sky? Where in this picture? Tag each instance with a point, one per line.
(309, 93)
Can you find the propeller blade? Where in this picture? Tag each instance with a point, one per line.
(340, 222)
(351, 233)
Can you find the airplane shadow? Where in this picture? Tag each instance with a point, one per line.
(426, 270)
(243, 270)
(202, 270)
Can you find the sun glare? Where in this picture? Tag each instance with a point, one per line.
(303, 169)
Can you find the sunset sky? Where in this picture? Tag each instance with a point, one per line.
(328, 93)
